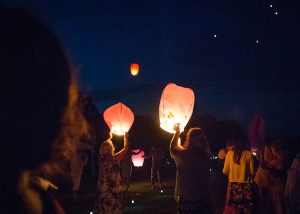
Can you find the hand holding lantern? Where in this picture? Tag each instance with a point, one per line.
(176, 106)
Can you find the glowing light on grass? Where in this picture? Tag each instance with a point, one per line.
(119, 118)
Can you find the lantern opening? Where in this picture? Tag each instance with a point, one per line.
(138, 158)
(119, 118)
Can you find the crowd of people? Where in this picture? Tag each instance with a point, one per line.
(42, 125)
(259, 182)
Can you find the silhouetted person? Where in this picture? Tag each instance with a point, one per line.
(192, 176)
(263, 180)
(126, 169)
(292, 187)
(40, 119)
(277, 178)
(157, 157)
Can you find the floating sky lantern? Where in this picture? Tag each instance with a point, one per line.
(134, 69)
(176, 106)
(138, 159)
(119, 118)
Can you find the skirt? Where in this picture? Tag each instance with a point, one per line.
(242, 194)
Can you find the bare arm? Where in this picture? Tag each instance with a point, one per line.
(121, 154)
(226, 165)
(174, 142)
(252, 167)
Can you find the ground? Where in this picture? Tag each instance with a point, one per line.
(142, 199)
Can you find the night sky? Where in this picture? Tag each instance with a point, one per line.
(240, 57)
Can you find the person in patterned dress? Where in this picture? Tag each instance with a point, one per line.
(109, 197)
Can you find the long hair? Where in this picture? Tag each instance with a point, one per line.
(237, 152)
(107, 147)
(196, 138)
(42, 122)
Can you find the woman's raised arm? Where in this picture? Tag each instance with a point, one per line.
(121, 154)
(174, 147)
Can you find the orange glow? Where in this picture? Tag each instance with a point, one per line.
(176, 106)
(134, 69)
(119, 118)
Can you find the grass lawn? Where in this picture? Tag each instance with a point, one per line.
(147, 200)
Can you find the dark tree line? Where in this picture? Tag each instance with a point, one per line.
(146, 131)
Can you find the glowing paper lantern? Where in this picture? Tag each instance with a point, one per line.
(256, 132)
(138, 160)
(134, 69)
(119, 118)
(176, 106)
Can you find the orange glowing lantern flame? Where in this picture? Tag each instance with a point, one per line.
(176, 106)
(134, 69)
(119, 118)
(138, 159)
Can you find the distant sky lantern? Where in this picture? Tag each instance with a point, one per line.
(119, 118)
(138, 160)
(176, 106)
(134, 69)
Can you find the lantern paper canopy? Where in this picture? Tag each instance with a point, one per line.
(256, 132)
(119, 118)
(134, 69)
(138, 160)
(176, 106)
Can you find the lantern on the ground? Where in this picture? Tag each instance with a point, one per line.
(176, 106)
(137, 158)
(134, 69)
(119, 118)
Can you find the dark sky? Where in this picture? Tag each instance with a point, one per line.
(232, 75)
